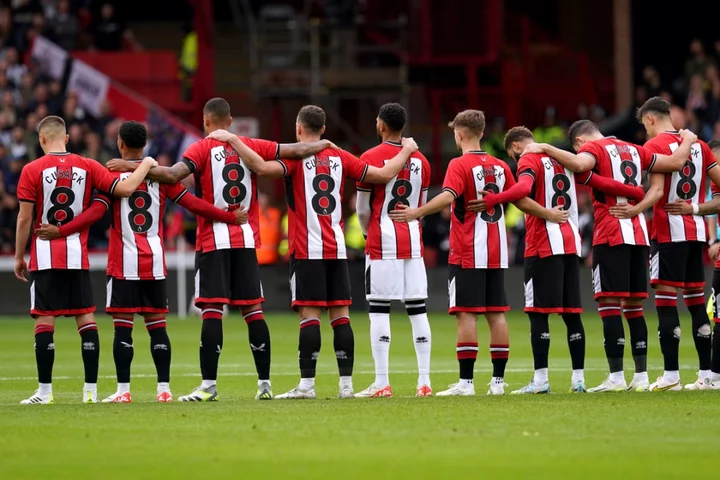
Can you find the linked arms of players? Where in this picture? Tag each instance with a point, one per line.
(627, 210)
(169, 175)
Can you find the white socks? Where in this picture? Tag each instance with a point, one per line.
(423, 342)
(705, 374)
(163, 387)
(90, 387)
(380, 344)
(578, 376)
(617, 377)
(541, 376)
(641, 377)
(345, 382)
(464, 383)
(123, 388)
(208, 383)
(671, 376)
(45, 389)
(307, 384)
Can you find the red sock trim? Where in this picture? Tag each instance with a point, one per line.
(339, 321)
(155, 323)
(212, 313)
(633, 312)
(44, 328)
(309, 322)
(694, 297)
(464, 355)
(716, 320)
(122, 322)
(665, 300)
(499, 350)
(254, 316)
(609, 309)
(467, 350)
(87, 327)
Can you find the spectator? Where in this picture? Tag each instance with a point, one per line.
(112, 130)
(549, 131)
(270, 232)
(651, 81)
(72, 112)
(8, 106)
(18, 148)
(436, 237)
(9, 176)
(95, 150)
(40, 97)
(31, 137)
(99, 123)
(64, 28)
(354, 238)
(110, 33)
(188, 60)
(5, 130)
(698, 61)
(56, 96)
(26, 88)
(22, 16)
(14, 70)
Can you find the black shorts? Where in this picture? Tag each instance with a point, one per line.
(716, 294)
(476, 290)
(56, 293)
(620, 271)
(136, 296)
(319, 283)
(677, 264)
(552, 284)
(228, 277)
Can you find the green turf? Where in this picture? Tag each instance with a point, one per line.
(555, 436)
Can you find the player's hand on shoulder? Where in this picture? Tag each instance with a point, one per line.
(241, 215)
(688, 135)
(150, 160)
(533, 148)
(403, 213)
(409, 143)
(221, 136)
(623, 210)
(679, 207)
(47, 232)
(558, 215)
(118, 165)
(20, 269)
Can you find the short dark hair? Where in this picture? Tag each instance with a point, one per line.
(581, 127)
(472, 120)
(656, 105)
(312, 117)
(218, 108)
(714, 145)
(517, 134)
(394, 116)
(133, 134)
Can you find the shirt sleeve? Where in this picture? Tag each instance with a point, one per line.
(195, 156)
(265, 148)
(708, 157)
(102, 179)
(175, 191)
(714, 190)
(288, 166)
(362, 186)
(27, 185)
(426, 173)
(527, 167)
(355, 168)
(592, 149)
(654, 147)
(454, 181)
(647, 158)
(509, 179)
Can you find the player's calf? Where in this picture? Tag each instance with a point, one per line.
(467, 351)
(161, 352)
(90, 347)
(499, 350)
(695, 302)
(45, 359)
(344, 346)
(259, 338)
(422, 336)
(633, 311)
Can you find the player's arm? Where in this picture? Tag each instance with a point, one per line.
(204, 209)
(300, 150)
(654, 193)
(675, 161)
(578, 163)
(610, 186)
(489, 200)
(681, 207)
(167, 175)
(531, 207)
(93, 214)
(108, 183)
(393, 166)
(250, 157)
(362, 206)
(403, 213)
(22, 235)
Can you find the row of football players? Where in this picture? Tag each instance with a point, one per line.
(227, 268)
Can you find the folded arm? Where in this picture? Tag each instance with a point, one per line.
(610, 186)
(205, 209)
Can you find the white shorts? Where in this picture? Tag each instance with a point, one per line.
(395, 279)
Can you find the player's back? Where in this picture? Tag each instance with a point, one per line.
(687, 184)
(387, 239)
(223, 179)
(136, 249)
(315, 188)
(625, 163)
(477, 240)
(554, 186)
(60, 185)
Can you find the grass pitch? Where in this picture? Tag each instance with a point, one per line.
(669, 435)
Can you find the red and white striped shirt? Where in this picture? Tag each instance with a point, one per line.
(477, 240)
(687, 184)
(60, 186)
(136, 249)
(625, 163)
(223, 179)
(386, 239)
(554, 186)
(314, 194)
